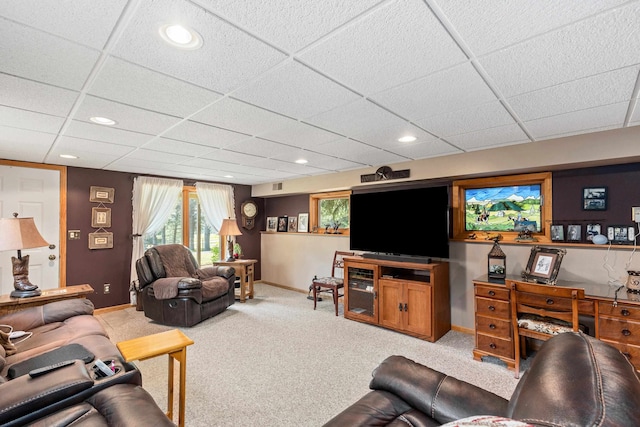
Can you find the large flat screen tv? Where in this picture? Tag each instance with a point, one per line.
(410, 223)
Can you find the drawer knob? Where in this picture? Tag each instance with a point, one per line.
(492, 326)
(549, 301)
(625, 312)
(492, 293)
(492, 345)
(626, 332)
(492, 308)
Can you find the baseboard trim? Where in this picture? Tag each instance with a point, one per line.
(113, 308)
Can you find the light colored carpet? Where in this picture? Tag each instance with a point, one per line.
(274, 361)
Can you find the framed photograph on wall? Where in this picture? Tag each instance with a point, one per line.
(574, 233)
(101, 194)
(593, 230)
(303, 223)
(543, 265)
(557, 233)
(594, 198)
(621, 234)
(283, 223)
(100, 240)
(272, 224)
(101, 217)
(293, 224)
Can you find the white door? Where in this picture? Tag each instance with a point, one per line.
(32, 192)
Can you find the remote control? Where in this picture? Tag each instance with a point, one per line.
(41, 371)
(103, 368)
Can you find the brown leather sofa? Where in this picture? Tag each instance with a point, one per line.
(574, 380)
(73, 394)
(176, 292)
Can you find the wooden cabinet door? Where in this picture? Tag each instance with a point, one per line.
(418, 310)
(391, 304)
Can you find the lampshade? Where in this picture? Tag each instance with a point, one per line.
(230, 228)
(19, 233)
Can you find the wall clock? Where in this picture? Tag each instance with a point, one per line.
(384, 173)
(249, 210)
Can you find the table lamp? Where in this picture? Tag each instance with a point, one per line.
(17, 234)
(230, 228)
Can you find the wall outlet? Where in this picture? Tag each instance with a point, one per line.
(635, 214)
(74, 234)
(107, 288)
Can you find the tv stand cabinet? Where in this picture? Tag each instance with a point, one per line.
(408, 297)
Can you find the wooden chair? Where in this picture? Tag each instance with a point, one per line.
(331, 284)
(540, 312)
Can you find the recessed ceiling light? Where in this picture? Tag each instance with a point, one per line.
(407, 138)
(178, 36)
(68, 156)
(102, 121)
(228, 176)
(302, 161)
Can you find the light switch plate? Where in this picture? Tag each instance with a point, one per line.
(635, 214)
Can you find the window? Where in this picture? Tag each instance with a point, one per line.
(188, 227)
(328, 210)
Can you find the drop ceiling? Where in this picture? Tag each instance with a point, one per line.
(331, 81)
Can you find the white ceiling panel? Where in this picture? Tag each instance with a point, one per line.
(295, 91)
(132, 85)
(291, 24)
(409, 43)
(227, 59)
(335, 81)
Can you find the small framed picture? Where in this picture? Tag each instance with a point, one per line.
(293, 224)
(272, 224)
(101, 194)
(100, 240)
(621, 234)
(594, 198)
(557, 233)
(101, 217)
(543, 265)
(593, 230)
(574, 233)
(283, 223)
(303, 223)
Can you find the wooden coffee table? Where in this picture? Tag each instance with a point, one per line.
(174, 343)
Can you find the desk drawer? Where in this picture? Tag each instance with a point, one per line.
(545, 301)
(492, 292)
(492, 326)
(494, 345)
(622, 311)
(622, 331)
(493, 308)
(632, 352)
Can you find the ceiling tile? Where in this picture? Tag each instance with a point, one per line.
(259, 147)
(603, 43)
(198, 133)
(232, 157)
(227, 59)
(69, 145)
(488, 115)
(289, 24)
(132, 85)
(392, 45)
(102, 133)
(320, 161)
(22, 119)
(288, 167)
(387, 138)
(33, 96)
(487, 138)
(454, 89)
(44, 58)
(127, 118)
(422, 150)
(358, 152)
(167, 145)
(27, 145)
(300, 135)
(157, 156)
(295, 91)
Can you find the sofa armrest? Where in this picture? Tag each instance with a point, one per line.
(216, 270)
(57, 311)
(25, 395)
(434, 393)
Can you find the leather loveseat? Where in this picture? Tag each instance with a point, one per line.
(176, 292)
(74, 394)
(573, 380)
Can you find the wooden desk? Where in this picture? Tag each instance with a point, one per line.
(244, 270)
(174, 343)
(615, 314)
(11, 305)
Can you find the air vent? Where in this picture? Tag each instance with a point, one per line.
(277, 186)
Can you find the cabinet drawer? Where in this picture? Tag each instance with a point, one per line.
(621, 311)
(493, 308)
(622, 331)
(492, 292)
(495, 345)
(632, 352)
(545, 301)
(492, 326)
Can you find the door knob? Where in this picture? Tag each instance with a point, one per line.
(52, 246)
(52, 257)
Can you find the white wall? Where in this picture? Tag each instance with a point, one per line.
(291, 260)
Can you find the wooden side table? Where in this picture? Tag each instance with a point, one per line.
(174, 343)
(11, 305)
(244, 270)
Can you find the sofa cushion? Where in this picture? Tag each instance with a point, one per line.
(214, 287)
(486, 421)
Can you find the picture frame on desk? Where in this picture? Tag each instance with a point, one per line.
(543, 265)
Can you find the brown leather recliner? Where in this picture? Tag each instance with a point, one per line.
(176, 292)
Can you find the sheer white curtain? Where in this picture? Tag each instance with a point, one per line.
(217, 203)
(154, 200)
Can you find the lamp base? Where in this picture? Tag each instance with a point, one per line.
(230, 259)
(25, 294)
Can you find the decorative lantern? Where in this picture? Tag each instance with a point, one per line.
(497, 262)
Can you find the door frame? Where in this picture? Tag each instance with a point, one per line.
(62, 274)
